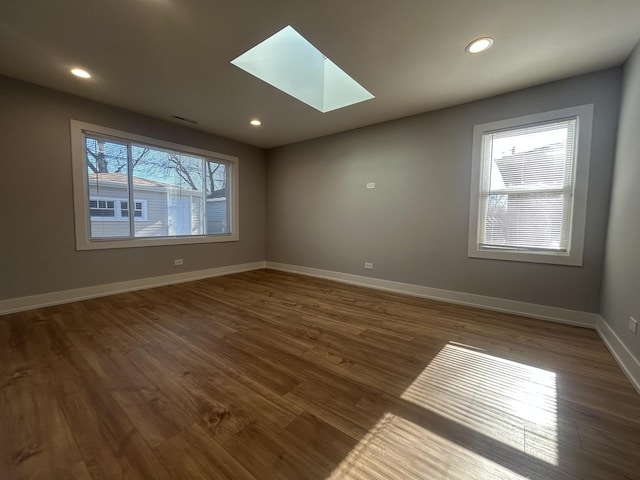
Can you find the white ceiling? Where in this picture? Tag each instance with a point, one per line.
(171, 57)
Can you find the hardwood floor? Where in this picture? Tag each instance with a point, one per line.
(267, 375)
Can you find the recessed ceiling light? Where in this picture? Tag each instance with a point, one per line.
(479, 45)
(255, 123)
(78, 72)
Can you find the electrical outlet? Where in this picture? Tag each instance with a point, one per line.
(178, 261)
(368, 265)
(371, 185)
(633, 325)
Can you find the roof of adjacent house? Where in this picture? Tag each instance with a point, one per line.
(122, 178)
(519, 168)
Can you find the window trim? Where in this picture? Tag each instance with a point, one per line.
(81, 191)
(574, 254)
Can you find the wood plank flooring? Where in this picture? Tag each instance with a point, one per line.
(268, 375)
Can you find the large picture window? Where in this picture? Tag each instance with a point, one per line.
(529, 182)
(179, 194)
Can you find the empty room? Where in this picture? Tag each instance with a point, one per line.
(320, 240)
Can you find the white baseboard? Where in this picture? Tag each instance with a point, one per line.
(544, 312)
(65, 296)
(629, 364)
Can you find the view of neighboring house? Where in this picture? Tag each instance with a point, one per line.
(160, 209)
(524, 201)
(217, 212)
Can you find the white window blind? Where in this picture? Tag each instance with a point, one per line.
(527, 187)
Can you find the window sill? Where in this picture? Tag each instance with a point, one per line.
(526, 256)
(154, 242)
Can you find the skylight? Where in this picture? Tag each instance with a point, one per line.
(287, 61)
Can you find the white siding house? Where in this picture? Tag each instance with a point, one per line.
(217, 215)
(160, 209)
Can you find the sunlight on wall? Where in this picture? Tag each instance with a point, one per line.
(511, 402)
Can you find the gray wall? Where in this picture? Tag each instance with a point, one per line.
(37, 245)
(621, 285)
(414, 225)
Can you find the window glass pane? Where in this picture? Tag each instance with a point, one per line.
(526, 220)
(539, 156)
(527, 185)
(171, 185)
(106, 177)
(168, 188)
(217, 214)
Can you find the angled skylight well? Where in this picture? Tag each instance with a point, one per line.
(289, 62)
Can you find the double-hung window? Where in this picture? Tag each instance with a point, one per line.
(102, 208)
(529, 187)
(116, 209)
(132, 191)
(124, 209)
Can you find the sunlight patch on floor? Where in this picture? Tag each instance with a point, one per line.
(510, 402)
(397, 449)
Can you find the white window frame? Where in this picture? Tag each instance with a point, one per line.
(573, 255)
(81, 192)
